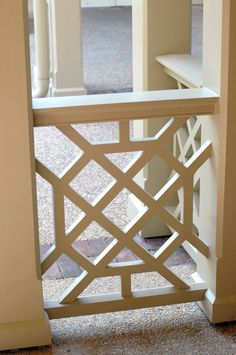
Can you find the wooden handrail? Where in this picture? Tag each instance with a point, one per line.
(124, 106)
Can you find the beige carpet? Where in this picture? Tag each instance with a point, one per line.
(178, 329)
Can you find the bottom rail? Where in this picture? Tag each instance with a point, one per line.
(115, 302)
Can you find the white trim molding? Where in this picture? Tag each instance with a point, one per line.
(105, 3)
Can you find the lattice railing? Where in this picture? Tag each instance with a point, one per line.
(186, 143)
(63, 114)
(188, 139)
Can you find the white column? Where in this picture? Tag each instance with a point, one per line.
(66, 48)
(22, 318)
(159, 27)
(218, 192)
(41, 33)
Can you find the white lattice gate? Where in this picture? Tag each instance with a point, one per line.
(179, 108)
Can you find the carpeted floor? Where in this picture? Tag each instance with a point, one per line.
(177, 329)
(180, 329)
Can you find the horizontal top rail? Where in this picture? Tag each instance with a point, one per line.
(109, 107)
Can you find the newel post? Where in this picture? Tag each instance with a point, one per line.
(217, 204)
(22, 319)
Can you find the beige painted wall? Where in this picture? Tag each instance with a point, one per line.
(152, 37)
(159, 27)
(22, 320)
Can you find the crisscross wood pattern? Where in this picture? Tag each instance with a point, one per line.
(122, 108)
(187, 141)
(101, 267)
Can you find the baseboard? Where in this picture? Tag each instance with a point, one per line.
(219, 310)
(25, 334)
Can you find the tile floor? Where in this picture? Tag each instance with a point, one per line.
(65, 267)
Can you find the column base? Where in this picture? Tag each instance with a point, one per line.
(219, 310)
(68, 92)
(25, 334)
